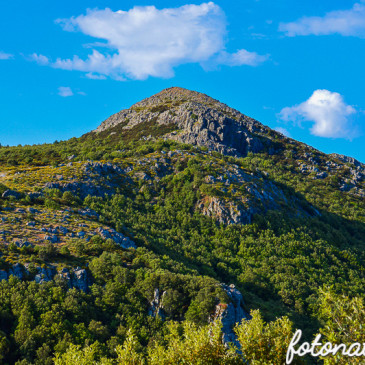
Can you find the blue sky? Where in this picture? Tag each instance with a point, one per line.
(296, 66)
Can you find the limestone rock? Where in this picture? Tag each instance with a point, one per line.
(51, 238)
(231, 314)
(22, 243)
(123, 241)
(44, 274)
(17, 270)
(156, 305)
(199, 120)
(80, 279)
(225, 212)
(347, 159)
(11, 193)
(88, 213)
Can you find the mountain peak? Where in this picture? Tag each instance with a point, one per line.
(193, 117)
(188, 117)
(177, 94)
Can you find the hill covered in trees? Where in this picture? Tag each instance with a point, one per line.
(175, 228)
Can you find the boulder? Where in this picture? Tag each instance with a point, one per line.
(80, 279)
(142, 176)
(17, 270)
(35, 196)
(123, 241)
(22, 243)
(45, 274)
(120, 239)
(321, 175)
(51, 238)
(11, 193)
(62, 230)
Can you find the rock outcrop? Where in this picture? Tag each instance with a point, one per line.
(123, 241)
(225, 212)
(156, 305)
(11, 193)
(74, 277)
(198, 120)
(258, 195)
(231, 314)
(347, 159)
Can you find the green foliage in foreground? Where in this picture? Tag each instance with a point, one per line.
(188, 344)
(343, 321)
(260, 343)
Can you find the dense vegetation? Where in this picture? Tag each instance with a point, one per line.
(279, 262)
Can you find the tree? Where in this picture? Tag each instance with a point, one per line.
(76, 355)
(265, 343)
(343, 319)
(196, 345)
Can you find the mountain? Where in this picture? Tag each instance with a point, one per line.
(193, 118)
(179, 208)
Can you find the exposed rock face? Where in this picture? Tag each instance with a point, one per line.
(156, 305)
(8, 193)
(75, 278)
(17, 270)
(123, 241)
(88, 213)
(98, 179)
(225, 212)
(22, 243)
(261, 195)
(82, 189)
(80, 279)
(199, 119)
(44, 274)
(347, 159)
(231, 314)
(53, 238)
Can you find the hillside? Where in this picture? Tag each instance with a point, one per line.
(149, 218)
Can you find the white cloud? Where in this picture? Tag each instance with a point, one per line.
(5, 56)
(345, 22)
(241, 57)
(65, 91)
(283, 131)
(93, 76)
(145, 41)
(328, 111)
(40, 59)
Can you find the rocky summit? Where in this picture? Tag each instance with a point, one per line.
(176, 219)
(193, 118)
